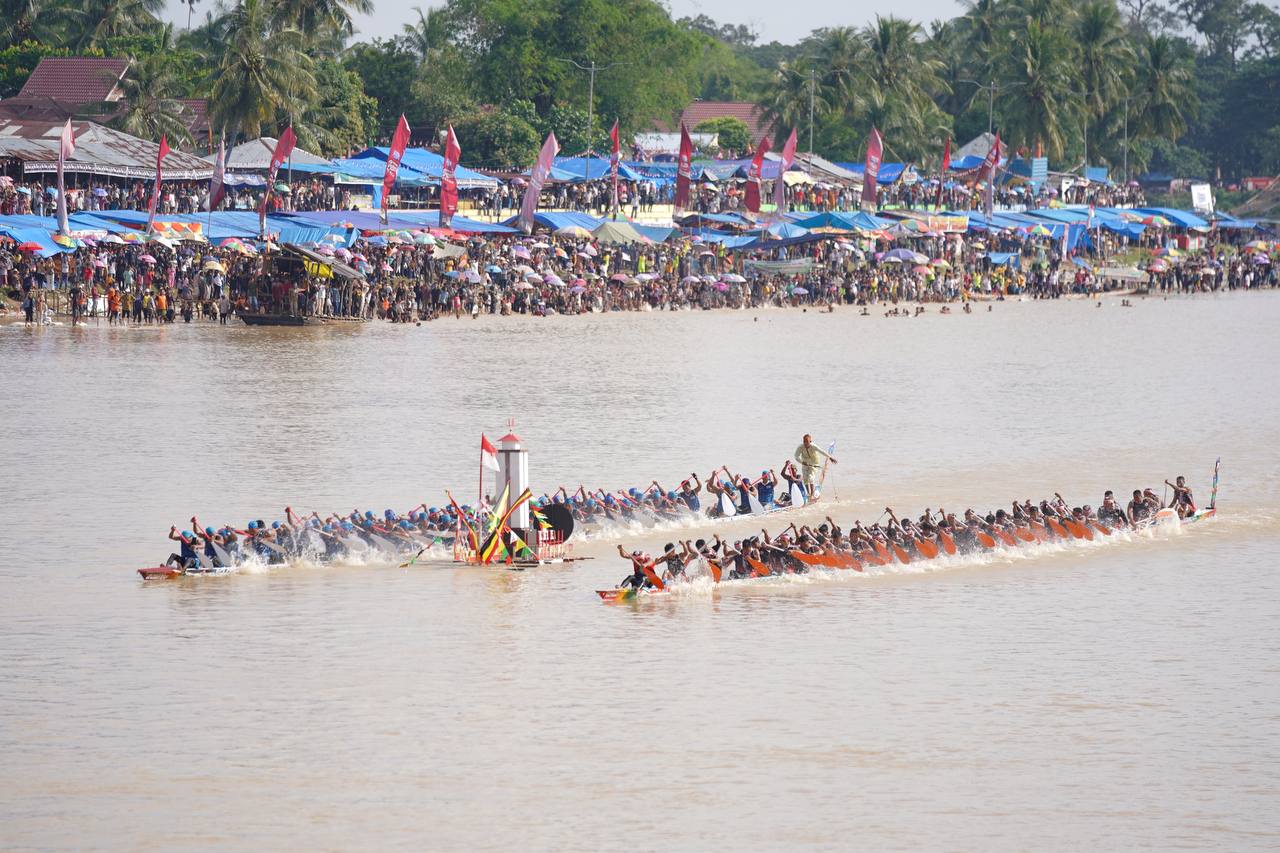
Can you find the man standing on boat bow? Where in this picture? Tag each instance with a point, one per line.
(811, 459)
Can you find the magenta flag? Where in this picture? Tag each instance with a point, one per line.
(684, 169)
(284, 147)
(780, 186)
(537, 178)
(66, 149)
(449, 179)
(871, 171)
(217, 184)
(155, 191)
(754, 175)
(614, 157)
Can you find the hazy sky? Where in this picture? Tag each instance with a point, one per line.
(799, 18)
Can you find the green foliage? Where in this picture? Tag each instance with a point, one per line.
(17, 61)
(498, 139)
(734, 135)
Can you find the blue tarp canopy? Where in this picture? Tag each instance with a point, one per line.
(593, 169)
(233, 223)
(402, 219)
(889, 172)
(1222, 220)
(32, 234)
(553, 220)
(1001, 259)
(656, 233)
(966, 164)
(858, 221)
(1181, 218)
(426, 164)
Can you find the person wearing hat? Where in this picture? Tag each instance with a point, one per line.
(811, 459)
(187, 557)
(638, 579)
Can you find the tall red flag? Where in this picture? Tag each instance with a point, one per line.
(449, 179)
(155, 191)
(753, 175)
(537, 177)
(613, 166)
(780, 186)
(942, 173)
(217, 184)
(684, 169)
(871, 171)
(66, 149)
(987, 172)
(399, 142)
(284, 147)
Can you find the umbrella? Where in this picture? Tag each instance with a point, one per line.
(645, 276)
(1167, 253)
(721, 286)
(99, 192)
(735, 278)
(691, 279)
(799, 291)
(553, 279)
(618, 277)
(523, 285)
(1261, 259)
(111, 238)
(283, 188)
(358, 257)
(940, 263)
(1039, 231)
(899, 255)
(386, 267)
(65, 241)
(541, 245)
(100, 263)
(147, 259)
(425, 240)
(590, 250)
(472, 277)
(1157, 266)
(534, 278)
(324, 250)
(213, 265)
(578, 282)
(493, 269)
(573, 231)
(30, 247)
(343, 253)
(519, 251)
(577, 288)
(132, 237)
(921, 269)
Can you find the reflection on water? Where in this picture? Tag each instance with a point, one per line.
(1065, 698)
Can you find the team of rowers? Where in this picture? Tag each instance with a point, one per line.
(797, 549)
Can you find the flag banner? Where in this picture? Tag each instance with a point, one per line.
(871, 170)
(684, 169)
(449, 179)
(488, 453)
(487, 553)
(942, 175)
(613, 166)
(537, 178)
(753, 175)
(66, 149)
(217, 184)
(155, 191)
(780, 185)
(472, 542)
(987, 172)
(399, 142)
(284, 147)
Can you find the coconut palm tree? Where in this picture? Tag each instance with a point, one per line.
(1163, 97)
(150, 108)
(1039, 106)
(261, 70)
(427, 35)
(313, 17)
(1104, 55)
(786, 101)
(900, 78)
(89, 23)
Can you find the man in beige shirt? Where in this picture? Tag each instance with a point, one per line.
(811, 459)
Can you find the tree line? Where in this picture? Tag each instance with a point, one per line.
(1190, 87)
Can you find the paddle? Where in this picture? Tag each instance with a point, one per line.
(1057, 527)
(1024, 534)
(649, 573)
(1005, 536)
(901, 553)
(409, 562)
(1106, 531)
(985, 538)
(926, 548)
(715, 570)
(948, 542)
(758, 568)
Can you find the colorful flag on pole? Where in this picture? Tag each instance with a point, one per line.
(495, 541)
(537, 177)
(449, 179)
(754, 175)
(488, 453)
(161, 153)
(66, 149)
(284, 147)
(987, 172)
(217, 184)
(684, 169)
(942, 175)
(614, 157)
(399, 142)
(780, 186)
(871, 170)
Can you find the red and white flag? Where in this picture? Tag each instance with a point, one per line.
(284, 147)
(871, 170)
(449, 179)
(488, 454)
(754, 175)
(399, 142)
(65, 150)
(684, 169)
(780, 186)
(537, 178)
(155, 191)
(217, 184)
(614, 157)
(987, 172)
(942, 173)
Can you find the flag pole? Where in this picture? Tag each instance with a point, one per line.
(480, 489)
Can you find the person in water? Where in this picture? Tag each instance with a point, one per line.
(1183, 502)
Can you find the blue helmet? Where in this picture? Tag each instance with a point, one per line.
(591, 502)
(187, 534)
(253, 525)
(388, 514)
(209, 531)
(406, 525)
(671, 496)
(328, 528)
(433, 510)
(346, 525)
(275, 525)
(557, 499)
(368, 514)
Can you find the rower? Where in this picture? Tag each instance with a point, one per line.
(187, 557)
(764, 488)
(1183, 502)
(1138, 508)
(745, 491)
(1110, 512)
(639, 561)
(689, 492)
(675, 562)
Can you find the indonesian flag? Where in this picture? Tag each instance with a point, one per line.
(284, 147)
(684, 169)
(871, 171)
(780, 186)
(942, 174)
(754, 175)
(217, 185)
(65, 150)
(399, 142)
(488, 453)
(537, 178)
(449, 179)
(613, 166)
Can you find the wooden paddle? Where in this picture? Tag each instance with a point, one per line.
(927, 549)
(714, 567)
(1057, 528)
(1005, 536)
(1024, 534)
(649, 573)
(948, 542)
(758, 568)
(986, 539)
(1106, 531)
(901, 553)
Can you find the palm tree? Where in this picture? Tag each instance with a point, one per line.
(260, 70)
(1162, 92)
(150, 109)
(426, 36)
(786, 101)
(23, 19)
(89, 23)
(1105, 54)
(314, 17)
(1040, 105)
(900, 80)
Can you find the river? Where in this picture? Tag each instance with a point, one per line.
(1117, 695)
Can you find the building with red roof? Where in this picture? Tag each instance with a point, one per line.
(699, 111)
